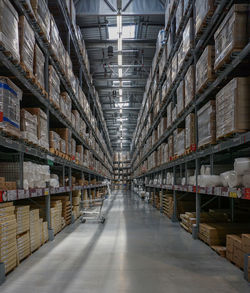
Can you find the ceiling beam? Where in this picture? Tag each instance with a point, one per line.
(126, 109)
(130, 43)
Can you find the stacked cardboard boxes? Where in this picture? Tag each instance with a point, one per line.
(35, 230)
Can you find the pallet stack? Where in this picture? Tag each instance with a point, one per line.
(56, 216)
(23, 246)
(66, 209)
(8, 246)
(237, 247)
(45, 233)
(76, 203)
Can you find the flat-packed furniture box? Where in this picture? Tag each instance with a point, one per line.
(189, 82)
(10, 97)
(38, 70)
(42, 15)
(207, 124)
(205, 69)
(9, 29)
(8, 245)
(23, 245)
(26, 44)
(35, 241)
(204, 10)
(233, 107)
(23, 218)
(190, 131)
(188, 42)
(232, 35)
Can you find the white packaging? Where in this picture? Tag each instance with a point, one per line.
(231, 179)
(242, 165)
(209, 180)
(246, 180)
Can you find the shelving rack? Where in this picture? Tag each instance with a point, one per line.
(23, 150)
(224, 150)
(122, 170)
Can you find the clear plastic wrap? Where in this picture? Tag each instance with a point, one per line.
(54, 86)
(180, 92)
(42, 126)
(204, 9)
(29, 126)
(209, 180)
(174, 114)
(205, 68)
(67, 103)
(246, 180)
(65, 134)
(242, 165)
(181, 56)
(42, 15)
(163, 61)
(79, 149)
(73, 120)
(179, 147)
(9, 29)
(232, 34)
(54, 140)
(189, 85)
(231, 179)
(26, 43)
(174, 66)
(10, 97)
(39, 61)
(207, 124)
(54, 37)
(188, 37)
(62, 146)
(171, 146)
(179, 14)
(35, 175)
(233, 107)
(77, 119)
(73, 147)
(190, 131)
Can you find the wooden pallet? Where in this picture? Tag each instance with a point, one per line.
(204, 25)
(231, 134)
(41, 88)
(54, 104)
(220, 250)
(28, 74)
(227, 59)
(8, 53)
(205, 86)
(205, 145)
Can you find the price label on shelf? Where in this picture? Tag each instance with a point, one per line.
(233, 194)
(3, 196)
(12, 195)
(46, 191)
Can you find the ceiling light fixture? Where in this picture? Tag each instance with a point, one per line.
(120, 59)
(120, 92)
(120, 72)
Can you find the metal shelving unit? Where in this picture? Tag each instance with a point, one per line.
(211, 154)
(27, 151)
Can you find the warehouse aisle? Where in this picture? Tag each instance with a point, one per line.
(136, 250)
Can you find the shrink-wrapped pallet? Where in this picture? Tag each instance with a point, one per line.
(73, 120)
(42, 126)
(77, 119)
(73, 147)
(79, 149)
(8, 245)
(174, 66)
(10, 96)
(62, 146)
(174, 114)
(54, 38)
(26, 44)
(179, 15)
(171, 146)
(54, 140)
(180, 56)
(242, 165)
(9, 29)
(233, 107)
(38, 70)
(65, 134)
(42, 15)
(163, 61)
(204, 10)
(207, 124)
(54, 87)
(190, 131)
(189, 85)
(188, 38)
(65, 103)
(180, 93)
(179, 142)
(205, 69)
(162, 126)
(29, 126)
(169, 114)
(232, 35)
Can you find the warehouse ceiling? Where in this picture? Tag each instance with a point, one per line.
(120, 84)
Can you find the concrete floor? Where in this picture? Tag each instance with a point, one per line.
(136, 250)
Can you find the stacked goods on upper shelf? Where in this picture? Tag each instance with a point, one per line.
(29, 127)
(232, 35)
(204, 10)
(8, 245)
(9, 29)
(205, 69)
(42, 132)
(39, 61)
(237, 247)
(10, 96)
(54, 87)
(26, 45)
(207, 124)
(232, 107)
(42, 14)
(76, 203)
